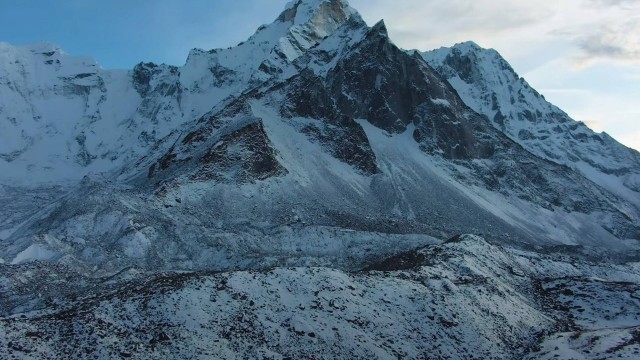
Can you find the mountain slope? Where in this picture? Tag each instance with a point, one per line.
(291, 196)
(375, 143)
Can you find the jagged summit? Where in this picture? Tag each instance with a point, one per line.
(468, 46)
(381, 28)
(310, 21)
(319, 12)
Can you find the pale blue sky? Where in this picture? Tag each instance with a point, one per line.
(121, 33)
(583, 55)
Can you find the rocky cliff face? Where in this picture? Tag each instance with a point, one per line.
(316, 143)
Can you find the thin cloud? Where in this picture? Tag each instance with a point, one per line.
(623, 3)
(427, 24)
(591, 30)
(611, 42)
(595, 124)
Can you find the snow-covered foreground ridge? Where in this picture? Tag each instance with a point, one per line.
(459, 300)
(267, 201)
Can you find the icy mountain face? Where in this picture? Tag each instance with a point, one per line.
(64, 116)
(46, 96)
(488, 84)
(86, 119)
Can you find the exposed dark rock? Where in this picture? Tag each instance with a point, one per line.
(243, 155)
(83, 157)
(142, 74)
(163, 337)
(405, 261)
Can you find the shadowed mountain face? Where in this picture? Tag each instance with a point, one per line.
(315, 143)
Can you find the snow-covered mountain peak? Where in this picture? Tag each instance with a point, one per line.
(464, 48)
(270, 52)
(65, 99)
(45, 48)
(44, 61)
(42, 48)
(468, 46)
(467, 61)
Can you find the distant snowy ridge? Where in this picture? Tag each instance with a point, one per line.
(488, 84)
